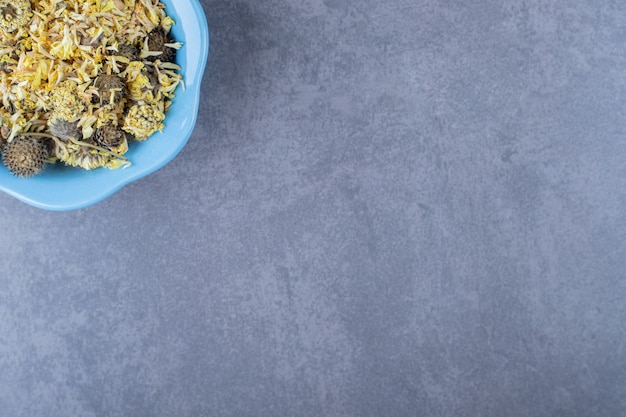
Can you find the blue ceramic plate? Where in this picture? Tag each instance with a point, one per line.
(64, 188)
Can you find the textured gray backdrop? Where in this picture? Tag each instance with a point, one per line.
(388, 208)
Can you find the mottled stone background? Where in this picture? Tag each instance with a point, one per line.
(388, 208)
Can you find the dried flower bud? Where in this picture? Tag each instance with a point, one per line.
(25, 156)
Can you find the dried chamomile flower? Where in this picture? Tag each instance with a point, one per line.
(25, 156)
(138, 82)
(63, 129)
(65, 101)
(82, 156)
(86, 156)
(143, 120)
(14, 14)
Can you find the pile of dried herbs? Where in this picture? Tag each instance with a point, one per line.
(79, 79)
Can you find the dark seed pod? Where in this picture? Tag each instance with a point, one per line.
(50, 146)
(128, 51)
(153, 78)
(110, 85)
(63, 129)
(157, 39)
(25, 156)
(109, 137)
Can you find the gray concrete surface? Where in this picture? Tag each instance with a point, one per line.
(388, 208)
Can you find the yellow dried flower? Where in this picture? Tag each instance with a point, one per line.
(14, 14)
(65, 101)
(143, 120)
(85, 156)
(65, 47)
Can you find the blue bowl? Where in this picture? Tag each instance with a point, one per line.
(65, 188)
